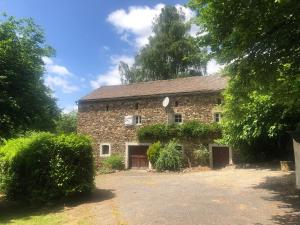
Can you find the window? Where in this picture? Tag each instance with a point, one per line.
(137, 120)
(178, 118)
(219, 101)
(176, 104)
(107, 108)
(217, 117)
(105, 150)
(136, 106)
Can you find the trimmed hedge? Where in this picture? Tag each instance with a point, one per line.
(43, 167)
(192, 130)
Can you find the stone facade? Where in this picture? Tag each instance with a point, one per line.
(104, 120)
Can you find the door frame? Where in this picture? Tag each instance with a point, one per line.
(211, 160)
(128, 144)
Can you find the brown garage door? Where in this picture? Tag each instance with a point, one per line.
(138, 157)
(220, 156)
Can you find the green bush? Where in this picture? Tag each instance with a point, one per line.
(201, 155)
(153, 152)
(44, 167)
(170, 157)
(191, 130)
(114, 162)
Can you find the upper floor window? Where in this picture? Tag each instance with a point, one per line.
(219, 101)
(217, 117)
(107, 108)
(176, 104)
(178, 118)
(136, 106)
(137, 120)
(105, 150)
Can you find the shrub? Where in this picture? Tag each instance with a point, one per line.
(191, 130)
(201, 155)
(153, 132)
(44, 167)
(114, 162)
(170, 157)
(153, 152)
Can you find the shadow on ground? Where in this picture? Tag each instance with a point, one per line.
(283, 190)
(12, 210)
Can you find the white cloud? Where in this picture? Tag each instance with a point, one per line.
(136, 22)
(53, 68)
(135, 25)
(56, 81)
(213, 67)
(112, 76)
(70, 108)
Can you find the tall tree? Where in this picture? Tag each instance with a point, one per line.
(67, 123)
(259, 43)
(25, 102)
(171, 51)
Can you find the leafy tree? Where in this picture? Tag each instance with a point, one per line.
(25, 102)
(259, 43)
(67, 123)
(171, 51)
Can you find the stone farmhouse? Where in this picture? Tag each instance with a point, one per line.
(111, 114)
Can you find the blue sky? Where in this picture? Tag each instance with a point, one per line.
(90, 38)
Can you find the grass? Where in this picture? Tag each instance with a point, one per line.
(14, 213)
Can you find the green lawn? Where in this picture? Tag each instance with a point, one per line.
(13, 213)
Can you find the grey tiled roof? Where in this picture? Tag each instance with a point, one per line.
(212, 83)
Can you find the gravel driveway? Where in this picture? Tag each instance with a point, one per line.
(224, 197)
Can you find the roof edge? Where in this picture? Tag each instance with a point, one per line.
(148, 96)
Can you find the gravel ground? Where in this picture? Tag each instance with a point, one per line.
(223, 197)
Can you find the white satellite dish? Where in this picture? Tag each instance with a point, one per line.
(166, 102)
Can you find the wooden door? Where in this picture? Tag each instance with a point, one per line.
(220, 156)
(138, 156)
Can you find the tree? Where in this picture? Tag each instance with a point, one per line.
(67, 123)
(171, 51)
(25, 102)
(259, 43)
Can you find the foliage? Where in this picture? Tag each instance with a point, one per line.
(170, 157)
(44, 167)
(25, 102)
(257, 40)
(191, 130)
(67, 123)
(153, 152)
(198, 130)
(201, 155)
(171, 51)
(114, 162)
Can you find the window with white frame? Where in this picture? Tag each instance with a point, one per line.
(105, 149)
(217, 117)
(178, 118)
(137, 120)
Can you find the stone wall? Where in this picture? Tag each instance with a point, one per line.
(104, 120)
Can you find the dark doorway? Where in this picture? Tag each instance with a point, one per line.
(220, 156)
(138, 156)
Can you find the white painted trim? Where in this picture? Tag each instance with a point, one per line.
(211, 161)
(109, 152)
(127, 144)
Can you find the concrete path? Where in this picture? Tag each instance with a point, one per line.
(224, 197)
